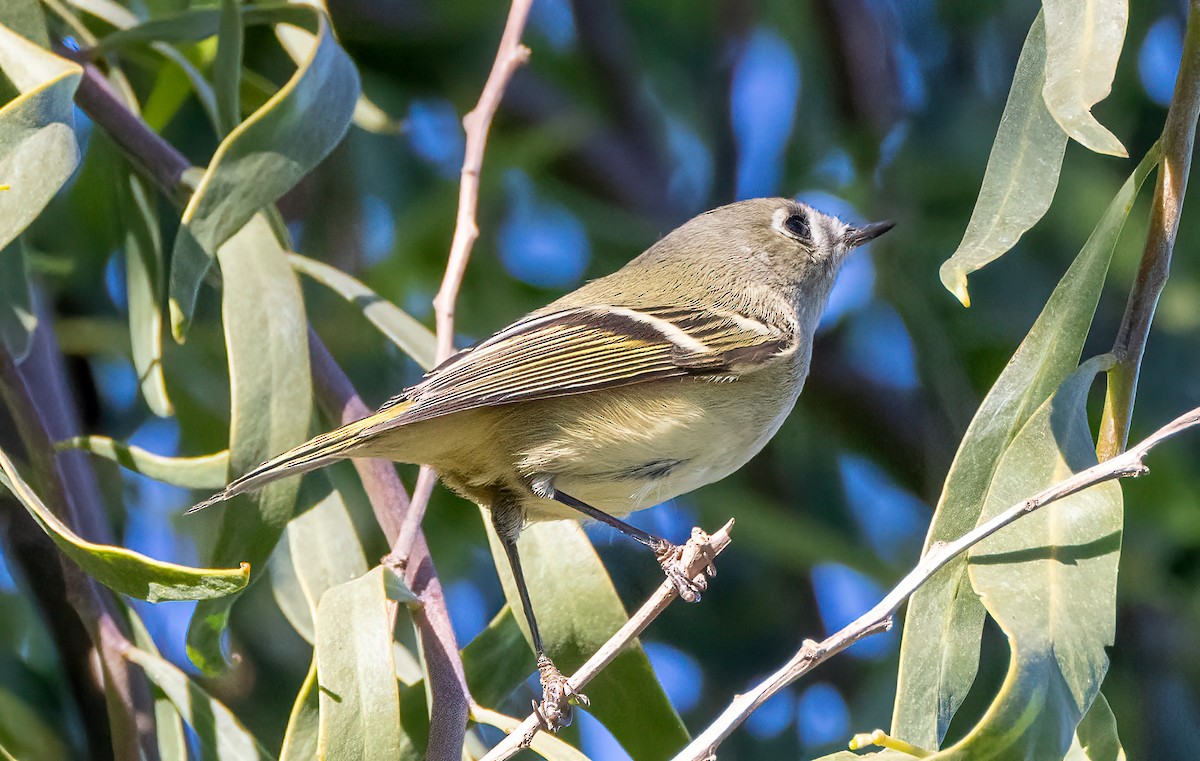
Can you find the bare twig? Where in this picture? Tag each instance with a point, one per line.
(1178, 137)
(879, 618)
(509, 57)
(637, 623)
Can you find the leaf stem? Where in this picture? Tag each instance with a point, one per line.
(1178, 138)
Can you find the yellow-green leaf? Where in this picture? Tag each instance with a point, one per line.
(204, 472)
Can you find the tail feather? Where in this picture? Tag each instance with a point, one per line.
(315, 453)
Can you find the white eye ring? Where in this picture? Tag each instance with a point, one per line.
(779, 220)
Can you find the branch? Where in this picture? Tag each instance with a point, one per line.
(650, 610)
(1178, 137)
(509, 57)
(879, 618)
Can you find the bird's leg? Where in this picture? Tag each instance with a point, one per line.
(674, 559)
(558, 696)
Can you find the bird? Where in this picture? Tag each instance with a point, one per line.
(668, 374)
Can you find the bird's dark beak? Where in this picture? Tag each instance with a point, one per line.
(867, 233)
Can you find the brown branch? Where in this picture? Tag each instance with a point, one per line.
(1178, 137)
(509, 57)
(879, 618)
(702, 556)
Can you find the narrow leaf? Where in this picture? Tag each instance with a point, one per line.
(262, 159)
(1096, 736)
(933, 680)
(227, 66)
(1083, 42)
(498, 660)
(578, 610)
(204, 472)
(122, 570)
(172, 743)
(220, 735)
(544, 744)
(18, 319)
(266, 340)
(300, 740)
(1021, 175)
(413, 338)
(359, 697)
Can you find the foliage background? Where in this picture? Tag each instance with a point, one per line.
(629, 118)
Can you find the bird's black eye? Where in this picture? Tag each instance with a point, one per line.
(797, 225)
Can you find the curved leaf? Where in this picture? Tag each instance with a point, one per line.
(262, 159)
(219, 733)
(300, 742)
(1021, 175)
(544, 744)
(124, 571)
(413, 338)
(204, 472)
(578, 610)
(1083, 42)
(933, 681)
(172, 742)
(266, 339)
(1096, 736)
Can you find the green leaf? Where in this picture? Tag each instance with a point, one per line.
(266, 340)
(359, 696)
(1050, 582)
(144, 289)
(1021, 175)
(544, 744)
(26, 18)
(413, 338)
(227, 66)
(300, 742)
(24, 734)
(322, 551)
(1096, 736)
(578, 610)
(172, 742)
(122, 570)
(498, 660)
(204, 472)
(933, 681)
(1083, 42)
(18, 319)
(263, 158)
(220, 735)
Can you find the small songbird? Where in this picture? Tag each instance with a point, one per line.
(662, 377)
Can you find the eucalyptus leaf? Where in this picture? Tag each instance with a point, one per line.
(220, 735)
(1083, 42)
(172, 742)
(204, 472)
(413, 338)
(1021, 175)
(544, 744)
(934, 679)
(1096, 736)
(1050, 582)
(359, 696)
(122, 570)
(26, 18)
(266, 342)
(578, 610)
(263, 158)
(24, 734)
(18, 319)
(498, 660)
(300, 742)
(227, 66)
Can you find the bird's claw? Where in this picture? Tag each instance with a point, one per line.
(676, 560)
(558, 697)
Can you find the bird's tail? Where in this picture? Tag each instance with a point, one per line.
(315, 453)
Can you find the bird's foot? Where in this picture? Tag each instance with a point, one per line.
(677, 560)
(558, 697)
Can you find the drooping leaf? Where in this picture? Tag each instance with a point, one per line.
(1096, 736)
(300, 742)
(1083, 42)
(266, 342)
(204, 472)
(1021, 175)
(144, 287)
(38, 150)
(413, 338)
(172, 742)
(220, 735)
(359, 697)
(122, 570)
(578, 610)
(544, 744)
(262, 159)
(1050, 582)
(18, 319)
(933, 680)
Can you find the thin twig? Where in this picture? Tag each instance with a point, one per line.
(509, 57)
(879, 618)
(637, 623)
(1178, 138)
